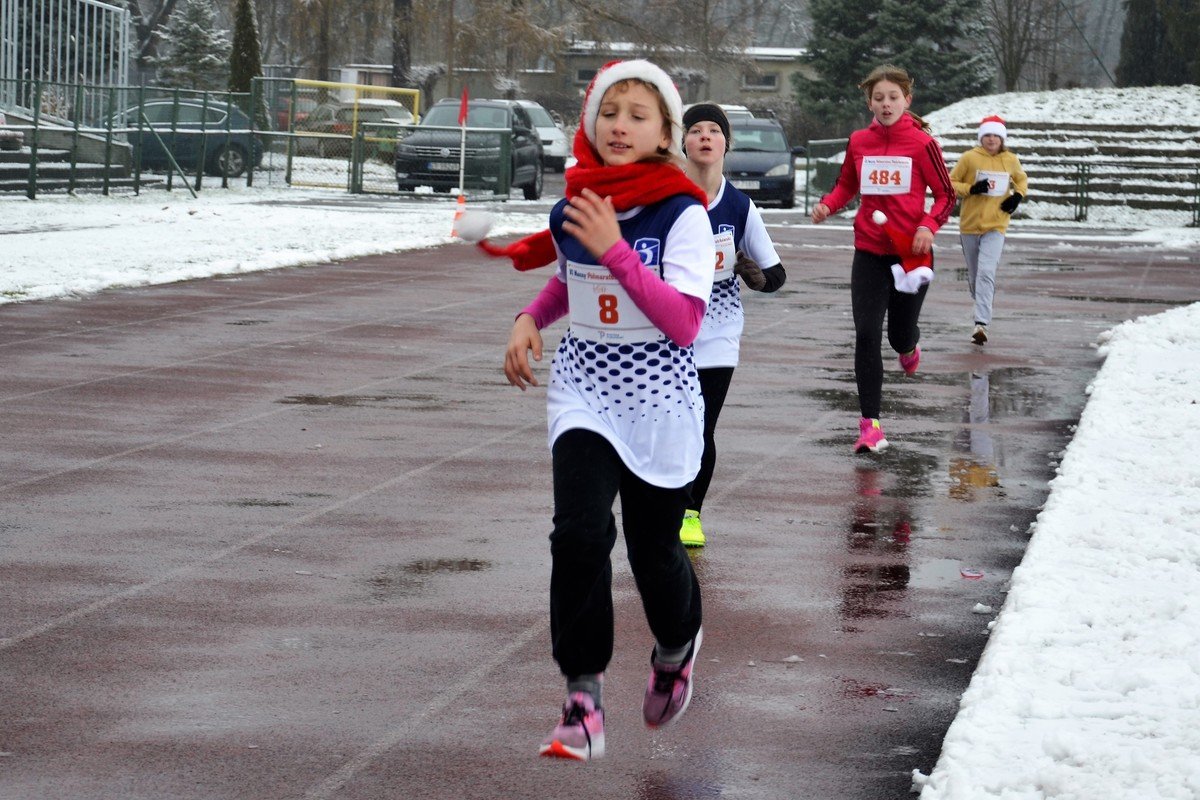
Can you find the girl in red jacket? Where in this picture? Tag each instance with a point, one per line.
(891, 163)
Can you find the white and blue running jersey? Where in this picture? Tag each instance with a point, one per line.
(736, 225)
(614, 372)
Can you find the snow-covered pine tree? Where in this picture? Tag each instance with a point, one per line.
(193, 53)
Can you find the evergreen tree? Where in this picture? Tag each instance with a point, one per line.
(1141, 43)
(245, 61)
(196, 53)
(942, 46)
(842, 50)
(940, 43)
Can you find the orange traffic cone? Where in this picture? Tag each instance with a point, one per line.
(458, 212)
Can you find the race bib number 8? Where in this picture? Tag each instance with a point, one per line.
(885, 175)
(601, 309)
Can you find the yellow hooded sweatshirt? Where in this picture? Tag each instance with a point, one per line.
(981, 213)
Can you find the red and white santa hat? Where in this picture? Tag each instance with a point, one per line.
(993, 124)
(617, 71)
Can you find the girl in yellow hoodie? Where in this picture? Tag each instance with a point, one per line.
(992, 184)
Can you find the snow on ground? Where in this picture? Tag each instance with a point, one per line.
(1090, 685)
(1135, 105)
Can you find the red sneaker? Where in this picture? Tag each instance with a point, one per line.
(909, 361)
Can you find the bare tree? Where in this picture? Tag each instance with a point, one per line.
(1015, 31)
(148, 16)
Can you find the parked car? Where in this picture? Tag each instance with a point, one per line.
(761, 163)
(10, 139)
(379, 119)
(556, 146)
(428, 154)
(196, 129)
(731, 111)
(283, 112)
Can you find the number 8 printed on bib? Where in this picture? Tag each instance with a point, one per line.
(601, 309)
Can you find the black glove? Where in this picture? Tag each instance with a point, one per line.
(979, 187)
(750, 271)
(1010, 203)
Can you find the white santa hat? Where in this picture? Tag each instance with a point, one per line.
(993, 124)
(642, 70)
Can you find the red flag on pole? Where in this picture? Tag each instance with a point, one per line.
(462, 109)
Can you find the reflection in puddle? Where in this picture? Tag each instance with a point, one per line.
(879, 527)
(869, 592)
(429, 566)
(975, 469)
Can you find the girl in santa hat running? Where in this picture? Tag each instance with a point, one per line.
(891, 163)
(992, 184)
(743, 248)
(635, 256)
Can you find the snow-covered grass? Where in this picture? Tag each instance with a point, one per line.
(1158, 106)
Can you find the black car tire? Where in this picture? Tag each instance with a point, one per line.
(533, 191)
(230, 161)
(788, 202)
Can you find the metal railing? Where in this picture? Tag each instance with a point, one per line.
(1148, 183)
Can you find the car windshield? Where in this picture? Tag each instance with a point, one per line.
(761, 140)
(446, 116)
(540, 116)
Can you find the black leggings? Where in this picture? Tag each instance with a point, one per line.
(588, 476)
(714, 385)
(873, 294)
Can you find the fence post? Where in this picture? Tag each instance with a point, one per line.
(76, 112)
(1081, 192)
(228, 138)
(1196, 197)
(253, 138)
(108, 136)
(137, 158)
(31, 188)
(807, 172)
(287, 175)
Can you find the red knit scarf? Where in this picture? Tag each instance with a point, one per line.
(629, 186)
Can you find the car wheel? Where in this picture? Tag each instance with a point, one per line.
(788, 202)
(229, 161)
(533, 191)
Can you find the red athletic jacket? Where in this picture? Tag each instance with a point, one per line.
(903, 138)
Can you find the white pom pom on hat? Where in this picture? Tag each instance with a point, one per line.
(993, 124)
(642, 70)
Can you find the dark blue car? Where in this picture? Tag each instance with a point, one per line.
(190, 129)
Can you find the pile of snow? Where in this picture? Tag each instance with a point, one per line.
(1135, 105)
(1090, 684)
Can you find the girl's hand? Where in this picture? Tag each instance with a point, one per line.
(922, 241)
(523, 338)
(593, 221)
(819, 213)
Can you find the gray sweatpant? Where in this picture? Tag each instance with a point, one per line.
(982, 252)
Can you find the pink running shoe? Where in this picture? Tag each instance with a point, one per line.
(909, 361)
(579, 735)
(870, 436)
(669, 689)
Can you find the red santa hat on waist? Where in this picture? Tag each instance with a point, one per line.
(993, 124)
(639, 69)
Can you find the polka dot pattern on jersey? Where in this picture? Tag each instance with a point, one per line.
(725, 303)
(645, 380)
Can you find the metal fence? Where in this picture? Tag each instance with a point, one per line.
(284, 132)
(1147, 183)
(61, 42)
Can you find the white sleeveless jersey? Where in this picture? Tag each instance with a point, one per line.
(736, 225)
(616, 374)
